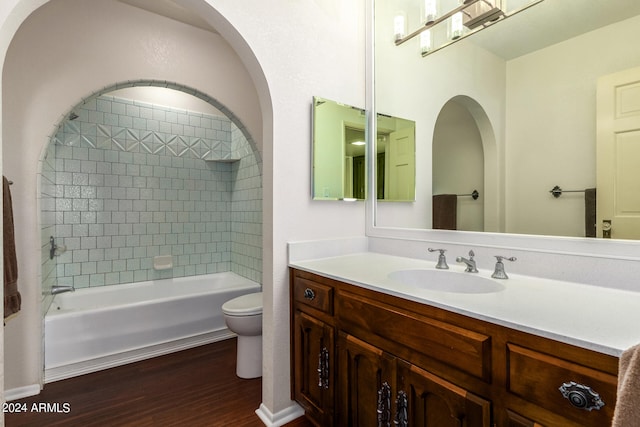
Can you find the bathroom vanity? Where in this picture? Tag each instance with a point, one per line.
(369, 350)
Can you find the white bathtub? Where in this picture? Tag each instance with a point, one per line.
(98, 328)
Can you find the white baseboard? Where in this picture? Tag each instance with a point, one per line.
(281, 417)
(21, 392)
(84, 367)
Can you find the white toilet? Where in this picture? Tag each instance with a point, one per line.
(243, 315)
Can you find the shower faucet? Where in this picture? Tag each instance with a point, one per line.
(55, 290)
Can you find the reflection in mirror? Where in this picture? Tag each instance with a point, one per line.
(339, 161)
(533, 81)
(458, 170)
(396, 159)
(440, 23)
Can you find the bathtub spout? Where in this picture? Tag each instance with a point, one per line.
(60, 289)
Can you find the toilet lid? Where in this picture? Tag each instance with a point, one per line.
(245, 305)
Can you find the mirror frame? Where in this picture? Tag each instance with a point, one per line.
(577, 246)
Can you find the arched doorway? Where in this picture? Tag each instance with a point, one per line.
(42, 88)
(464, 161)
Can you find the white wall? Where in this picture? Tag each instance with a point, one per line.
(551, 126)
(291, 51)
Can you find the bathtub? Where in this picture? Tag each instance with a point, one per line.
(98, 328)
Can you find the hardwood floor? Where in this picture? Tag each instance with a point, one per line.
(195, 387)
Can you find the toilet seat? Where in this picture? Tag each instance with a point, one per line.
(245, 305)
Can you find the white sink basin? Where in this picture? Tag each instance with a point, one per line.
(447, 281)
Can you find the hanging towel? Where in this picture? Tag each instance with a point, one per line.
(445, 208)
(590, 212)
(12, 297)
(627, 410)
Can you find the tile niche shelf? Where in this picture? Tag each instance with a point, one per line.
(221, 160)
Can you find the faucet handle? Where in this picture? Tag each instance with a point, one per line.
(499, 272)
(442, 260)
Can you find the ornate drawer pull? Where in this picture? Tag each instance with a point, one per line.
(323, 368)
(384, 405)
(309, 294)
(402, 415)
(581, 396)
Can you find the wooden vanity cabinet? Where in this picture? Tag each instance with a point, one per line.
(361, 358)
(405, 395)
(313, 346)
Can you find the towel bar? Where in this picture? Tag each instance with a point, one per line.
(474, 194)
(557, 191)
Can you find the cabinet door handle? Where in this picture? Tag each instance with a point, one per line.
(384, 405)
(323, 368)
(309, 294)
(581, 396)
(402, 405)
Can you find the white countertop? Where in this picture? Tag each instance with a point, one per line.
(601, 319)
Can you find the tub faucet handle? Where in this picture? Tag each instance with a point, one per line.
(499, 272)
(442, 260)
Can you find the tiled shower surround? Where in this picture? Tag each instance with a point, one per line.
(126, 181)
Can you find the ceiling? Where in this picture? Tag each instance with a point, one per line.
(169, 9)
(551, 22)
(544, 24)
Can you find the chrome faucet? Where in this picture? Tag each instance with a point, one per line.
(471, 263)
(55, 290)
(442, 260)
(499, 272)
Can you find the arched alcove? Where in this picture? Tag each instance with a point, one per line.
(115, 146)
(464, 160)
(44, 76)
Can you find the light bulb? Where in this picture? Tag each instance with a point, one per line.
(425, 41)
(456, 26)
(430, 11)
(399, 26)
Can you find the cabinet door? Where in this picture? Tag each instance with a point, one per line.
(314, 373)
(363, 372)
(434, 402)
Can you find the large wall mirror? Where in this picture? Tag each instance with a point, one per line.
(339, 154)
(517, 110)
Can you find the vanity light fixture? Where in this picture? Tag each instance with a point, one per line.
(482, 12)
(358, 143)
(468, 17)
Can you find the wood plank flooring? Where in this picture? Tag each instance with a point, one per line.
(195, 387)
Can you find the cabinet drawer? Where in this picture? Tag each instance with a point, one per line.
(313, 294)
(465, 350)
(537, 378)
